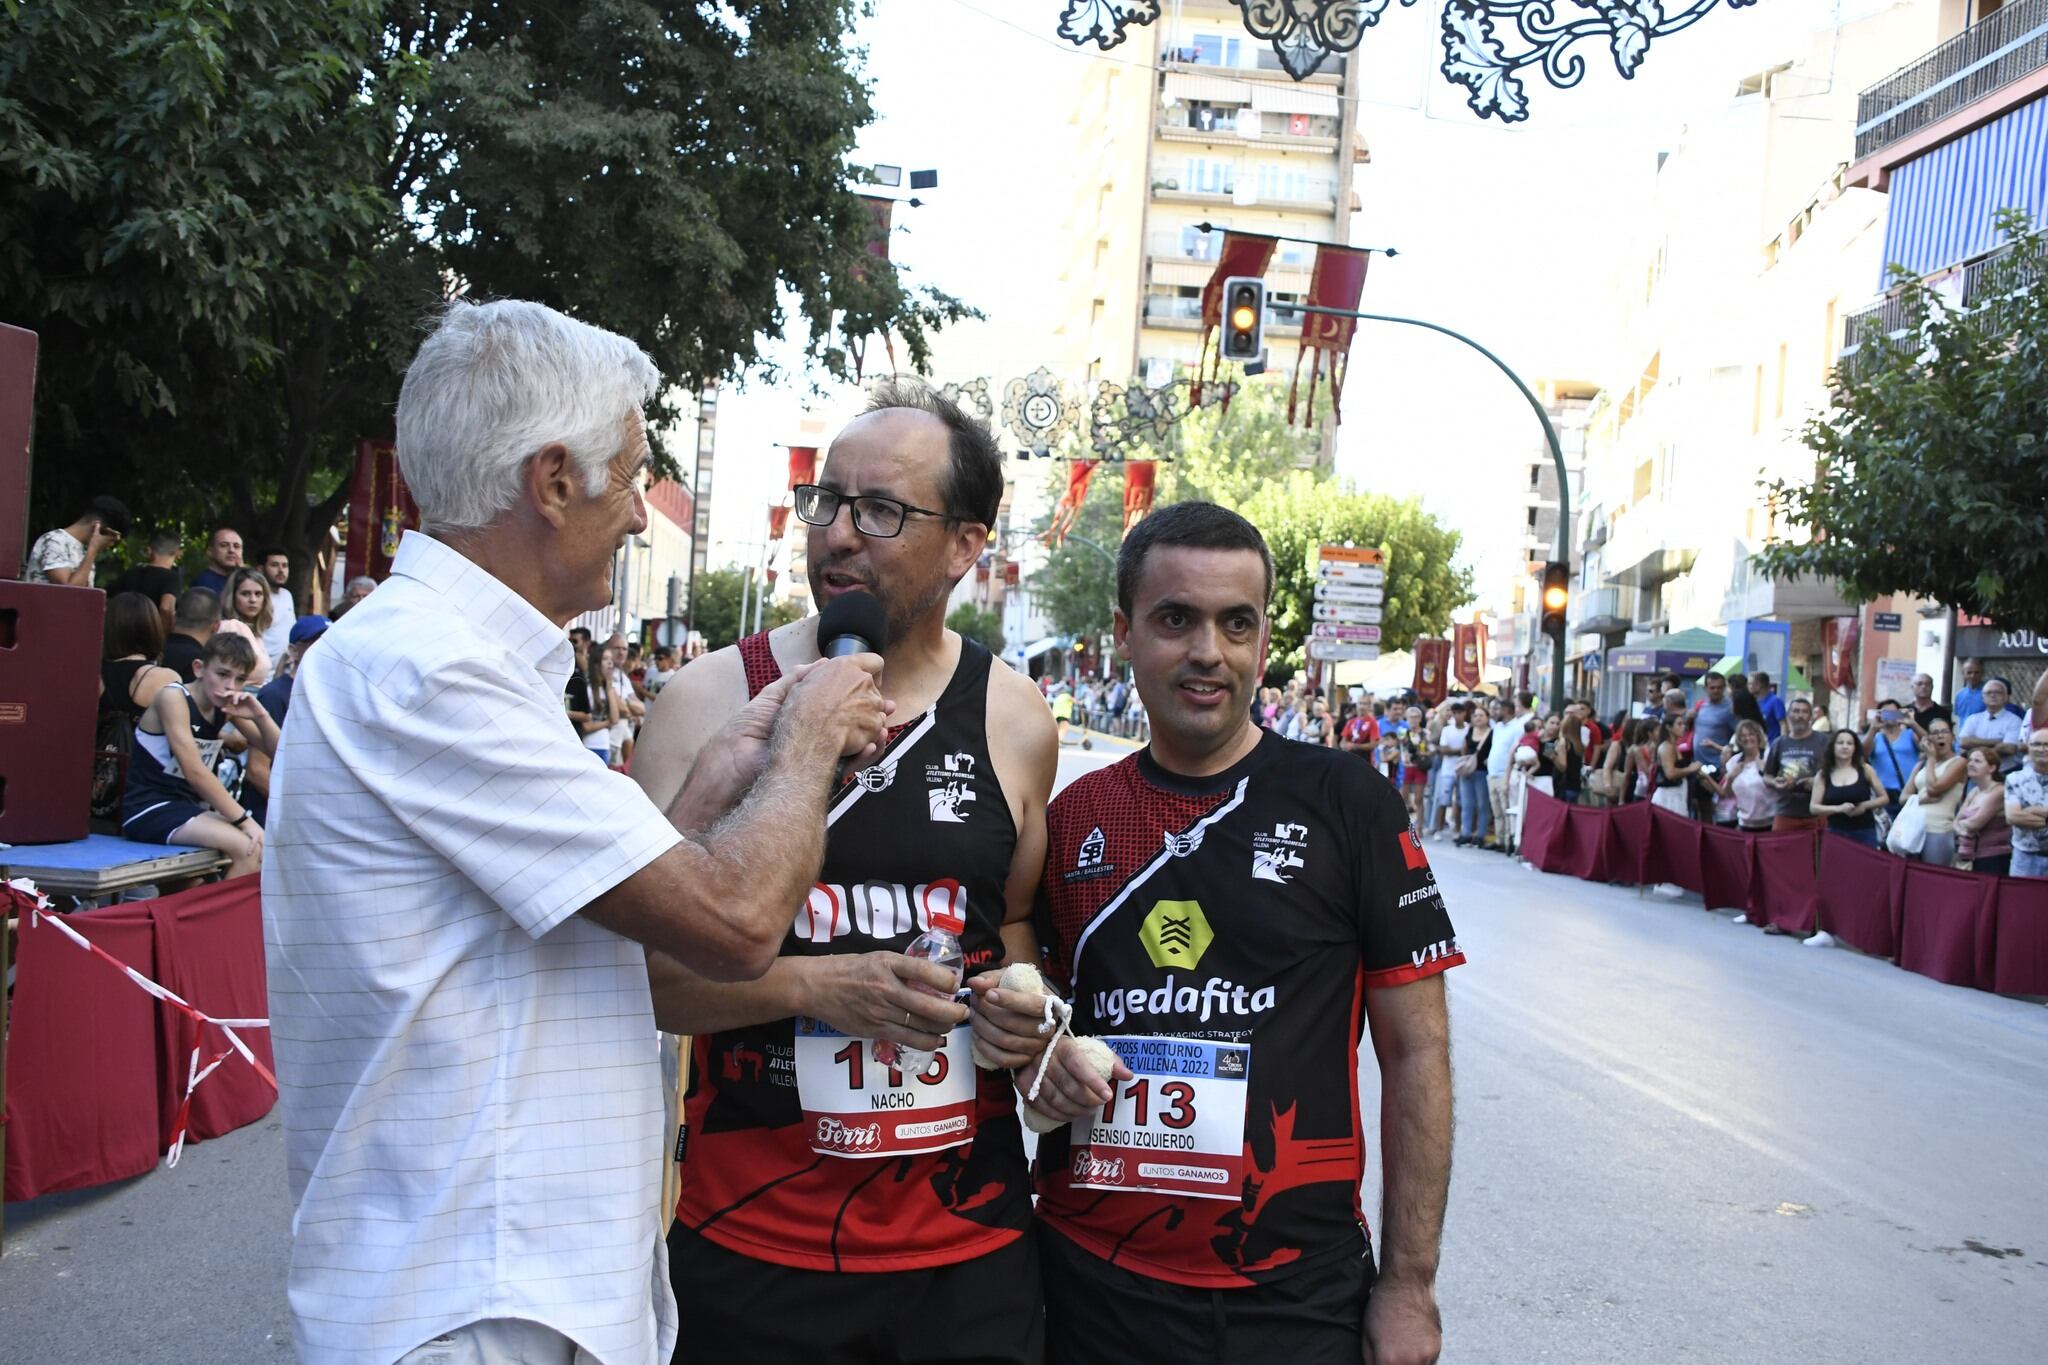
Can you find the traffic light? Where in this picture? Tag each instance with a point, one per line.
(1244, 318)
(1557, 595)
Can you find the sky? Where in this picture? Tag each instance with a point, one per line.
(1516, 235)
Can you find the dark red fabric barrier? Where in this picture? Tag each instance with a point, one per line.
(81, 1057)
(1546, 837)
(1945, 930)
(1963, 928)
(2020, 937)
(209, 949)
(1726, 867)
(97, 1068)
(1782, 891)
(1674, 850)
(1861, 892)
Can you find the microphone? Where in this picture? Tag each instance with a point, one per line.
(852, 623)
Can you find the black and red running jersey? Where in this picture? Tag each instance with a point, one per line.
(802, 1148)
(1220, 933)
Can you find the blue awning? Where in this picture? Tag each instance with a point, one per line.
(1944, 204)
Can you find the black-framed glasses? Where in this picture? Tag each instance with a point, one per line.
(874, 516)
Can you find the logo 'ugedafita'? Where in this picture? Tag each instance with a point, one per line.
(1176, 934)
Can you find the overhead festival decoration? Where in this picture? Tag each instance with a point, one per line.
(972, 398)
(778, 522)
(1242, 253)
(1139, 478)
(1469, 664)
(1487, 44)
(803, 465)
(1069, 505)
(1040, 410)
(1432, 668)
(1336, 282)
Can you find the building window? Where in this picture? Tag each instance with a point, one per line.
(1778, 404)
(1535, 477)
(1756, 404)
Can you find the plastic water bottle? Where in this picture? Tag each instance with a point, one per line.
(939, 944)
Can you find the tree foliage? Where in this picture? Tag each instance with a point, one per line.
(984, 627)
(1302, 513)
(715, 608)
(1224, 456)
(1076, 587)
(1930, 472)
(227, 218)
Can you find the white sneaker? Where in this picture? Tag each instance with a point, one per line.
(1823, 939)
(1669, 889)
(1741, 919)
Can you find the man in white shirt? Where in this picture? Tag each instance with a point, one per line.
(1996, 728)
(65, 555)
(277, 567)
(456, 899)
(1500, 756)
(1444, 780)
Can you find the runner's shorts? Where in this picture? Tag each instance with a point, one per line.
(1100, 1314)
(986, 1311)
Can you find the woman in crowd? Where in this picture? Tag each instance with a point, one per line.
(1543, 767)
(1316, 729)
(1983, 839)
(1938, 786)
(1675, 769)
(1848, 792)
(1568, 745)
(1416, 756)
(246, 601)
(1475, 807)
(132, 641)
(1891, 750)
(1617, 783)
(604, 706)
(1756, 803)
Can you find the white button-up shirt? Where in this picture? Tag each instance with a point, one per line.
(470, 1083)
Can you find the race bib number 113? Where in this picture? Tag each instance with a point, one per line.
(1177, 1127)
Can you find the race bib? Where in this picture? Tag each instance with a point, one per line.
(1177, 1127)
(855, 1106)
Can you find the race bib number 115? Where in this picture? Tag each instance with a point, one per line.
(857, 1107)
(1177, 1127)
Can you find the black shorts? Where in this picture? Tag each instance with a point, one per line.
(986, 1311)
(1098, 1312)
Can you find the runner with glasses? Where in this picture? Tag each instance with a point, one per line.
(833, 1208)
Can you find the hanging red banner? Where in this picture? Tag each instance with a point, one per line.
(1468, 665)
(1140, 476)
(1337, 282)
(1240, 255)
(778, 522)
(380, 510)
(883, 212)
(1069, 505)
(1840, 635)
(1013, 574)
(1432, 669)
(803, 465)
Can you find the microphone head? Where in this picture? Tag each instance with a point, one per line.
(858, 615)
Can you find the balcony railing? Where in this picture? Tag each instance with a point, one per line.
(1985, 57)
(1260, 58)
(1598, 609)
(1980, 284)
(1247, 125)
(1178, 311)
(1206, 247)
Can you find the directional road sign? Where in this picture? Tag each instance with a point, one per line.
(1334, 651)
(1347, 613)
(1358, 635)
(1338, 571)
(1350, 592)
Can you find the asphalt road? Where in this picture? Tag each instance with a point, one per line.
(1678, 1140)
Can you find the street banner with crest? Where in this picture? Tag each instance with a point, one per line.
(1139, 478)
(380, 510)
(1336, 282)
(1469, 665)
(1432, 669)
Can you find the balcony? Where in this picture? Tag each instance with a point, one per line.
(1220, 125)
(1980, 284)
(2006, 46)
(1315, 192)
(1599, 612)
(1260, 59)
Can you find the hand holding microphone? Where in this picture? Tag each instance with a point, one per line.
(837, 696)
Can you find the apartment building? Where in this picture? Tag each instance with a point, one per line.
(1516, 643)
(1757, 246)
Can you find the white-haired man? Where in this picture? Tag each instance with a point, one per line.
(457, 902)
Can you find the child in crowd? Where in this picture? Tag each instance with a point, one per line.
(173, 796)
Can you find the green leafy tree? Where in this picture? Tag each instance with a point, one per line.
(1076, 587)
(1301, 513)
(983, 627)
(715, 603)
(1931, 471)
(226, 218)
(1226, 456)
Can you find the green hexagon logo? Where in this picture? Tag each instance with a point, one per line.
(1176, 934)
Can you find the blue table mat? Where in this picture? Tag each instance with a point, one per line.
(93, 853)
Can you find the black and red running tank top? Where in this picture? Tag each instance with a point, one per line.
(927, 819)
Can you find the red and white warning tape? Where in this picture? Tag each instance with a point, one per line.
(40, 910)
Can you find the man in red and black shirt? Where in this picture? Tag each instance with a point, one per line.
(834, 1207)
(1231, 912)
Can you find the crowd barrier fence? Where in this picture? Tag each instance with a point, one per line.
(97, 1069)
(1963, 928)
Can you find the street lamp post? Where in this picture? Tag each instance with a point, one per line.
(1564, 487)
